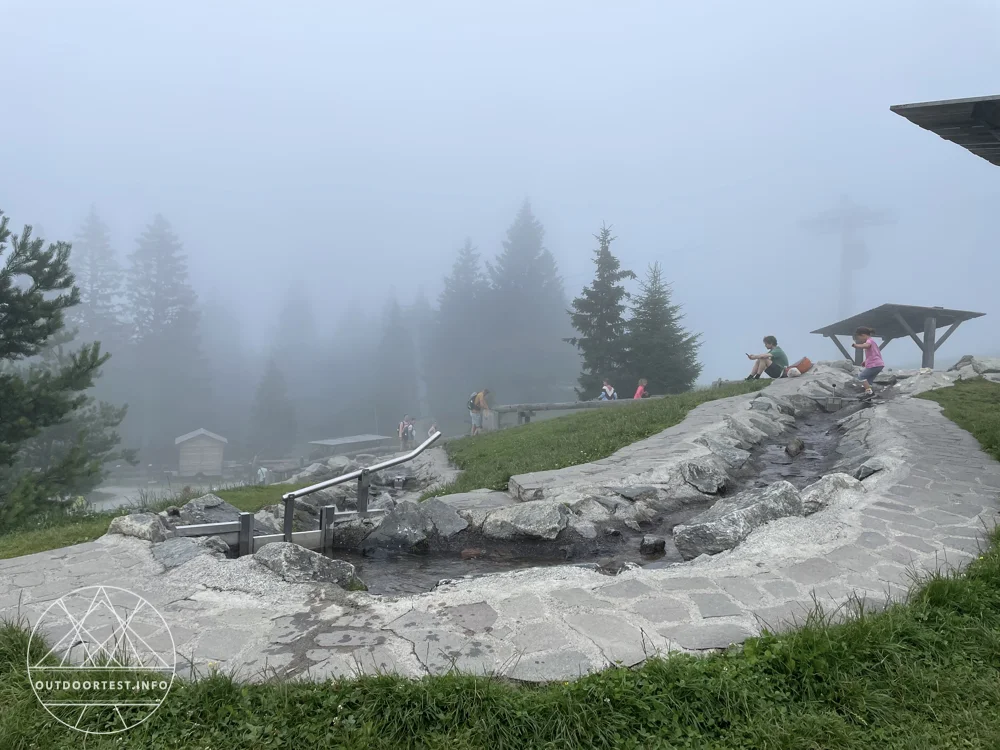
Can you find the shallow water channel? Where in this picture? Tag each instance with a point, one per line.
(404, 574)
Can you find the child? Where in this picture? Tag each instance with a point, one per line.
(873, 358)
(607, 392)
(640, 392)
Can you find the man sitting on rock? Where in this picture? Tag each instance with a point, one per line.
(772, 363)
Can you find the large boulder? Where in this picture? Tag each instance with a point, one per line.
(177, 551)
(533, 520)
(705, 475)
(820, 494)
(726, 448)
(979, 365)
(740, 428)
(731, 520)
(147, 526)
(213, 509)
(411, 525)
(297, 564)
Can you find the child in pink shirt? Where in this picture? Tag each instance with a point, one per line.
(873, 357)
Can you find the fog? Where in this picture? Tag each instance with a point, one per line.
(339, 155)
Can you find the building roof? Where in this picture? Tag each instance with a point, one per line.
(199, 433)
(973, 124)
(350, 440)
(883, 319)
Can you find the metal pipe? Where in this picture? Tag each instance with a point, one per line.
(357, 473)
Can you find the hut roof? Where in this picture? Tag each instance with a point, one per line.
(198, 433)
(973, 124)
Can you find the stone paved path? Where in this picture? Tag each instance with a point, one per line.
(556, 623)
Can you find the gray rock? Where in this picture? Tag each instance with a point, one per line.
(382, 502)
(148, 526)
(351, 533)
(652, 545)
(478, 500)
(340, 464)
(731, 520)
(214, 544)
(869, 467)
(175, 552)
(886, 377)
(533, 520)
(585, 529)
(297, 564)
(820, 494)
(839, 364)
(766, 424)
(704, 475)
(744, 431)
(213, 509)
(590, 509)
(406, 527)
(979, 365)
(443, 518)
(795, 447)
(642, 492)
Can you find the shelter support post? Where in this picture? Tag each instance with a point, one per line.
(364, 482)
(910, 332)
(289, 518)
(245, 546)
(840, 346)
(930, 327)
(947, 333)
(885, 343)
(325, 521)
(859, 357)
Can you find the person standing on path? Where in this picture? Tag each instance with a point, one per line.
(873, 358)
(407, 433)
(772, 363)
(478, 406)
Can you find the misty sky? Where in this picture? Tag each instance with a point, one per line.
(352, 147)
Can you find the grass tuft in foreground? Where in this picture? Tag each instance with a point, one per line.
(490, 460)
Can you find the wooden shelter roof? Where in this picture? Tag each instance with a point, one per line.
(887, 325)
(350, 440)
(973, 124)
(196, 433)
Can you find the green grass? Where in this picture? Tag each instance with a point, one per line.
(490, 460)
(975, 406)
(57, 529)
(919, 675)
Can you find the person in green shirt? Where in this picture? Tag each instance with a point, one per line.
(772, 363)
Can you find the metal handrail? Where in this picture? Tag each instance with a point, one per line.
(362, 475)
(358, 472)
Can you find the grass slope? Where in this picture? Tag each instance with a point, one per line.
(490, 460)
(924, 674)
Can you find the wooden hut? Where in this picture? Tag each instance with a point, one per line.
(201, 452)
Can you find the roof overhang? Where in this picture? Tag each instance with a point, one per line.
(973, 124)
(886, 320)
(199, 433)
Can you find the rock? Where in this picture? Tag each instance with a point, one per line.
(351, 534)
(297, 564)
(839, 364)
(213, 509)
(641, 492)
(444, 519)
(979, 365)
(471, 553)
(586, 529)
(886, 377)
(382, 502)
(175, 552)
(340, 464)
(652, 545)
(406, 527)
(869, 467)
(766, 423)
(731, 520)
(795, 447)
(742, 430)
(590, 509)
(477, 500)
(533, 520)
(704, 475)
(214, 544)
(725, 448)
(148, 526)
(820, 494)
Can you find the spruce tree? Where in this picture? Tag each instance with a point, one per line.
(458, 350)
(273, 426)
(172, 387)
(660, 350)
(599, 316)
(528, 323)
(99, 277)
(36, 290)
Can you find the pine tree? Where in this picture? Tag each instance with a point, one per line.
(599, 316)
(660, 350)
(99, 277)
(458, 351)
(528, 322)
(34, 397)
(273, 426)
(296, 347)
(172, 395)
